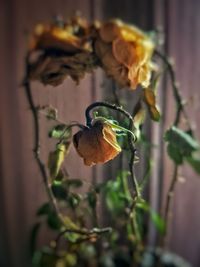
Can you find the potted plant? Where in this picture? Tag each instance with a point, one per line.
(130, 58)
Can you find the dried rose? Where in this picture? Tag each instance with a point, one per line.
(66, 51)
(125, 53)
(70, 37)
(97, 144)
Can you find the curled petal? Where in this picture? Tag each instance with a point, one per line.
(53, 70)
(124, 52)
(97, 144)
(129, 60)
(109, 31)
(53, 37)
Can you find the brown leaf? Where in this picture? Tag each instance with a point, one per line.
(150, 100)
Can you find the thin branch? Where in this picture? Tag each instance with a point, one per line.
(114, 91)
(36, 149)
(180, 110)
(40, 163)
(170, 195)
(94, 233)
(180, 106)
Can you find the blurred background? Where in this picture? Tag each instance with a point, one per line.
(21, 188)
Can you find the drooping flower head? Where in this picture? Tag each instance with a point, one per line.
(125, 53)
(97, 144)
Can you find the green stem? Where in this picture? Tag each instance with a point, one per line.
(170, 196)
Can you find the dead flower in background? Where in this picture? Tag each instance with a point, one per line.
(125, 53)
(66, 51)
(76, 47)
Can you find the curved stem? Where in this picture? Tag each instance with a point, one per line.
(170, 193)
(170, 196)
(36, 149)
(180, 108)
(88, 234)
(130, 138)
(41, 165)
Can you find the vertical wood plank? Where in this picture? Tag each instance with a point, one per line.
(183, 45)
(22, 189)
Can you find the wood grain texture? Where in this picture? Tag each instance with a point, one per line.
(183, 45)
(20, 182)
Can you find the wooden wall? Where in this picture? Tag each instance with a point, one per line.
(21, 190)
(183, 34)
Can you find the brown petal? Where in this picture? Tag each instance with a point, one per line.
(97, 144)
(53, 70)
(124, 52)
(54, 37)
(109, 31)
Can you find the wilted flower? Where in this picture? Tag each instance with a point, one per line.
(67, 51)
(71, 36)
(53, 69)
(125, 53)
(97, 144)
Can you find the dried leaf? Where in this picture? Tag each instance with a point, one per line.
(53, 70)
(61, 131)
(150, 100)
(56, 159)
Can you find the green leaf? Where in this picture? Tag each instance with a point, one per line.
(60, 131)
(139, 117)
(174, 154)
(115, 126)
(155, 217)
(114, 203)
(59, 191)
(184, 142)
(33, 237)
(74, 200)
(194, 163)
(92, 199)
(158, 221)
(53, 221)
(70, 259)
(45, 209)
(56, 159)
(48, 259)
